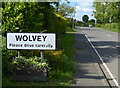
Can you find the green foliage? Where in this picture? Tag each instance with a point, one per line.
(119, 27)
(6, 81)
(97, 25)
(33, 61)
(92, 20)
(35, 17)
(70, 22)
(61, 77)
(22, 17)
(70, 29)
(114, 25)
(111, 27)
(0, 14)
(7, 58)
(57, 61)
(62, 24)
(79, 23)
(31, 17)
(65, 10)
(104, 11)
(61, 61)
(29, 53)
(85, 18)
(56, 24)
(86, 24)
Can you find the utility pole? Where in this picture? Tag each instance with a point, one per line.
(95, 21)
(74, 17)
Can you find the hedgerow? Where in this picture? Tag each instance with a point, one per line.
(31, 17)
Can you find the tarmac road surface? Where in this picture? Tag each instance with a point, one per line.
(106, 44)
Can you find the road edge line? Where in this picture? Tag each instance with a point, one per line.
(111, 75)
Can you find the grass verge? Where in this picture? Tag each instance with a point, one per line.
(114, 27)
(65, 75)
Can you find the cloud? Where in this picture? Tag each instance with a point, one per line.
(83, 9)
(85, 4)
(87, 10)
(81, 0)
(78, 8)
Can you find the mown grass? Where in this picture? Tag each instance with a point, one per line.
(114, 27)
(57, 77)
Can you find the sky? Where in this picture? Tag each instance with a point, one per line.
(83, 7)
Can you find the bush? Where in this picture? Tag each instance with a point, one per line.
(57, 61)
(30, 53)
(111, 27)
(56, 24)
(7, 56)
(61, 61)
(114, 25)
(31, 17)
(70, 24)
(33, 61)
(97, 25)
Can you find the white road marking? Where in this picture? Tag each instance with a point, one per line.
(108, 35)
(113, 78)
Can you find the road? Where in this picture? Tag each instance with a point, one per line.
(105, 44)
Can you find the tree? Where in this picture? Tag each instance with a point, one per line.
(112, 11)
(104, 11)
(85, 18)
(92, 20)
(22, 16)
(100, 11)
(65, 10)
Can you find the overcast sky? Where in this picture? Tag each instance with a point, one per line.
(83, 7)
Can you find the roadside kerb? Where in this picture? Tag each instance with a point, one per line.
(104, 66)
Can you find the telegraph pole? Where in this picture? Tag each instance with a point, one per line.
(74, 17)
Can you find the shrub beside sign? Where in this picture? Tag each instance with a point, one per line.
(31, 41)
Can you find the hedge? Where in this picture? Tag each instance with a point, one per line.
(31, 17)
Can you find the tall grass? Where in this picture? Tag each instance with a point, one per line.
(111, 27)
(66, 72)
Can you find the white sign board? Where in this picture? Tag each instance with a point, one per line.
(31, 41)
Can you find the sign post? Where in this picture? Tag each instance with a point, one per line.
(31, 41)
(18, 53)
(42, 54)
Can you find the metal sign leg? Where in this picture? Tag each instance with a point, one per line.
(18, 53)
(42, 54)
(45, 69)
